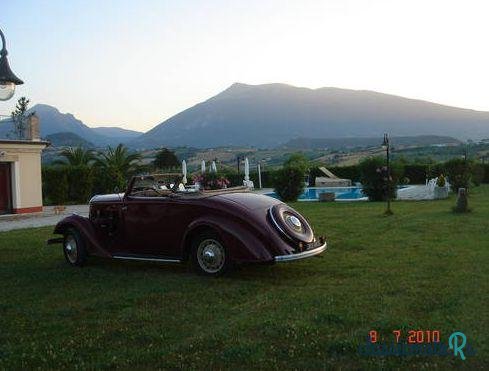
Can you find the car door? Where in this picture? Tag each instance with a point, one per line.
(107, 221)
(146, 226)
(154, 218)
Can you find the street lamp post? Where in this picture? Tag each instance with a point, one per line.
(386, 145)
(238, 160)
(8, 80)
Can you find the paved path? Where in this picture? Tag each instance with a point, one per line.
(46, 218)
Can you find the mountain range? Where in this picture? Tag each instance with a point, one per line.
(271, 115)
(52, 121)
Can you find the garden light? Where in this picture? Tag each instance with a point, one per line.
(8, 80)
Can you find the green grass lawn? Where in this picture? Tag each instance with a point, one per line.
(423, 268)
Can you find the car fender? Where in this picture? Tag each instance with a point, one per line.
(85, 227)
(243, 244)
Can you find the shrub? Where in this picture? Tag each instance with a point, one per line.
(234, 178)
(374, 179)
(459, 172)
(486, 173)
(417, 173)
(478, 174)
(299, 161)
(211, 181)
(289, 180)
(289, 183)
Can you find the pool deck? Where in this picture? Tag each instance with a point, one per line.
(410, 193)
(415, 193)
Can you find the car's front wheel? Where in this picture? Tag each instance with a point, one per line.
(209, 256)
(74, 248)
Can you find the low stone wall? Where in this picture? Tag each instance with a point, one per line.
(329, 182)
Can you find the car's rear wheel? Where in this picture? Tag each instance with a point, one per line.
(209, 256)
(74, 248)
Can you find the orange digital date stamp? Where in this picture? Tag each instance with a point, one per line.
(409, 336)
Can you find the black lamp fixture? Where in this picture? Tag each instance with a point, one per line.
(8, 80)
(387, 146)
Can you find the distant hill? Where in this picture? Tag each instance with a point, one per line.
(53, 122)
(67, 139)
(348, 143)
(273, 114)
(114, 131)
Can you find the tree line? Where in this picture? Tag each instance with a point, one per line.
(80, 173)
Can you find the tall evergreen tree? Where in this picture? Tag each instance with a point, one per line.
(19, 118)
(166, 159)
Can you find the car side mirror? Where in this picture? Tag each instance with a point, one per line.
(116, 189)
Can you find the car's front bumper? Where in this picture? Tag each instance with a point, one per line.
(302, 255)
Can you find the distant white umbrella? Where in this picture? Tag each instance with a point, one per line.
(213, 167)
(247, 169)
(259, 175)
(202, 167)
(184, 172)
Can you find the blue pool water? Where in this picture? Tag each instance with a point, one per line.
(341, 193)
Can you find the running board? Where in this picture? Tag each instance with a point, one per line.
(161, 260)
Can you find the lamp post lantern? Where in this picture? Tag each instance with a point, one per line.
(8, 80)
(386, 145)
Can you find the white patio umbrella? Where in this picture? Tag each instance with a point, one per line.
(202, 167)
(184, 172)
(213, 167)
(247, 170)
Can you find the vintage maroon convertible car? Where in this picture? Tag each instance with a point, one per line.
(211, 229)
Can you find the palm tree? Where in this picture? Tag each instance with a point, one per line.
(76, 157)
(118, 164)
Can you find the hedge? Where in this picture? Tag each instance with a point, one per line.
(415, 173)
(62, 184)
(55, 185)
(80, 179)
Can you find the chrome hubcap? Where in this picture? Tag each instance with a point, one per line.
(71, 249)
(211, 256)
(293, 222)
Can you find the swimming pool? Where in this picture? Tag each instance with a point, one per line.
(341, 193)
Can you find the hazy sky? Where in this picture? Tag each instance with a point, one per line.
(135, 63)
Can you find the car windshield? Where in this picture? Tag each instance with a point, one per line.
(158, 185)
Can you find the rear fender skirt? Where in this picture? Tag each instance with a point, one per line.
(85, 227)
(244, 246)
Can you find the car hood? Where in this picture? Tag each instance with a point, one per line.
(115, 197)
(249, 200)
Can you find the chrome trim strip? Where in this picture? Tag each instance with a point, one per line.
(146, 259)
(302, 255)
